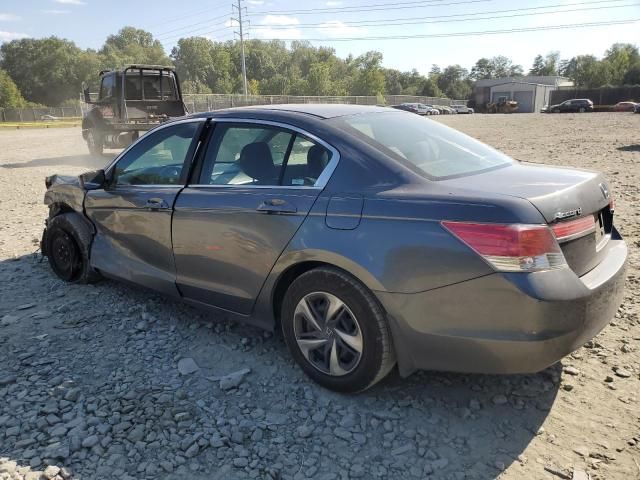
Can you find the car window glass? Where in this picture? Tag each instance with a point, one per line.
(306, 163)
(433, 149)
(106, 87)
(158, 158)
(245, 155)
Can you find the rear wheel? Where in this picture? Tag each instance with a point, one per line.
(582, 110)
(336, 330)
(95, 142)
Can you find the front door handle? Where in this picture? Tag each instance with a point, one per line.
(156, 204)
(276, 205)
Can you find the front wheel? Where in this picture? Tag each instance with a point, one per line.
(336, 330)
(95, 142)
(66, 243)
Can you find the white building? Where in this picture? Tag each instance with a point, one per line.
(531, 92)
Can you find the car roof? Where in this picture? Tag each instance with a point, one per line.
(317, 110)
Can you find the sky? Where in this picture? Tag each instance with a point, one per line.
(435, 31)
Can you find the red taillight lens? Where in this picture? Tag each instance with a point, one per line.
(512, 248)
(574, 228)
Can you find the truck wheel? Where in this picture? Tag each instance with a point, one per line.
(95, 142)
(68, 241)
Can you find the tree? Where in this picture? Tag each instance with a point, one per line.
(620, 57)
(545, 66)
(495, 67)
(319, 79)
(589, 72)
(48, 70)
(369, 79)
(132, 45)
(10, 96)
(454, 82)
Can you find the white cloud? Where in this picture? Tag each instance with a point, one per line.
(255, 2)
(56, 12)
(8, 36)
(9, 17)
(334, 3)
(290, 32)
(70, 2)
(336, 28)
(231, 23)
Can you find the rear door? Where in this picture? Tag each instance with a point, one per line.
(253, 189)
(133, 213)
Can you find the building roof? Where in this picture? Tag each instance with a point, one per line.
(553, 80)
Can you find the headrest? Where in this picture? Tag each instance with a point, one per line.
(317, 159)
(256, 161)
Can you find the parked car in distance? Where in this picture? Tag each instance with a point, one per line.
(419, 108)
(637, 109)
(370, 237)
(433, 110)
(49, 118)
(576, 105)
(462, 109)
(625, 107)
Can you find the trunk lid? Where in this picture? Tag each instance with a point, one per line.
(561, 195)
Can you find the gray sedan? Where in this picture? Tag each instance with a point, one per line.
(371, 237)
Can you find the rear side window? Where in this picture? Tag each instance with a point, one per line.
(245, 154)
(434, 150)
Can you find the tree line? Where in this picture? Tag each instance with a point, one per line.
(50, 71)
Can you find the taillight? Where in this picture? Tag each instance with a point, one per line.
(511, 248)
(574, 228)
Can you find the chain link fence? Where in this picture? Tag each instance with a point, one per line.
(208, 102)
(39, 114)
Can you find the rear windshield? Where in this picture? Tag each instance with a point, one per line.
(437, 151)
(154, 86)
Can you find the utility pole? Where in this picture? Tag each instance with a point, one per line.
(241, 33)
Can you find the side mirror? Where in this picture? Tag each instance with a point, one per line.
(93, 180)
(87, 96)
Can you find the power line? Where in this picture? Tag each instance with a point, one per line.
(420, 20)
(208, 21)
(478, 33)
(190, 34)
(373, 7)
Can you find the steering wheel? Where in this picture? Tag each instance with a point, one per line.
(171, 172)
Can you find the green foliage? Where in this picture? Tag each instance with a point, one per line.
(51, 71)
(10, 96)
(495, 67)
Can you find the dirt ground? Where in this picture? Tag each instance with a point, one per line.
(92, 384)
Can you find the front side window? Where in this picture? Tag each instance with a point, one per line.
(158, 159)
(107, 86)
(243, 154)
(436, 151)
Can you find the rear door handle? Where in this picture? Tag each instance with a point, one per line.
(156, 204)
(276, 205)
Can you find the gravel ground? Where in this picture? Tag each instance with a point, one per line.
(111, 381)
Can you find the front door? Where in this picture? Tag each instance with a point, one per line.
(133, 213)
(256, 185)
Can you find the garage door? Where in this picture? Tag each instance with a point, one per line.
(525, 101)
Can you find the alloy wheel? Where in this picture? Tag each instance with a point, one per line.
(327, 333)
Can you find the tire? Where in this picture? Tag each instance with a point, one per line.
(329, 360)
(95, 142)
(68, 240)
(555, 111)
(582, 110)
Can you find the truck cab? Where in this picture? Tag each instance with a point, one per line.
(129, 101)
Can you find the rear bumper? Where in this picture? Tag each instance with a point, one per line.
(505, 323)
